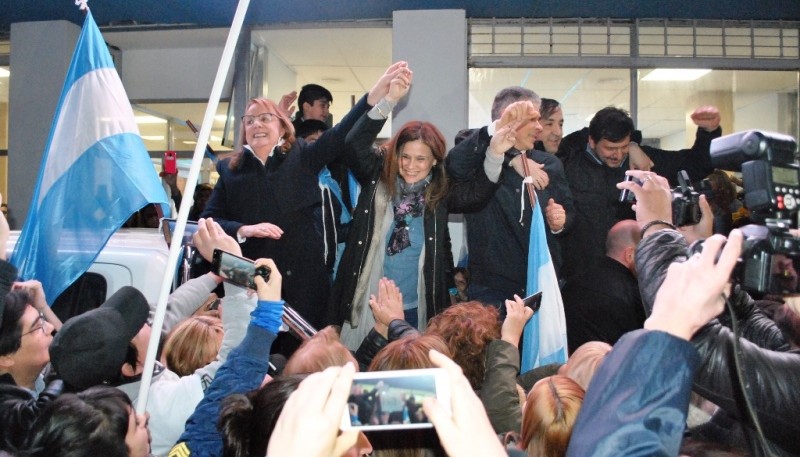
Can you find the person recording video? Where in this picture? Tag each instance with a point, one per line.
(771, 374)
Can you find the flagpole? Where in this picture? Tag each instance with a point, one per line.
(183, 213)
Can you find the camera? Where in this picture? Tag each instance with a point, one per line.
(771, 180)
(685, 201)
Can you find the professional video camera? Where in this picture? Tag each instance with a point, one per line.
(771, 177)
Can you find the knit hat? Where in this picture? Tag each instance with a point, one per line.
(8, 274)
(90, 349)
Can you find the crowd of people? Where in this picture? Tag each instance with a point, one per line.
(373, 271)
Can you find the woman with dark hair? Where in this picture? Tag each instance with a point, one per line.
(267, 192)
(25, 338)
(399, 230)
(97, 421)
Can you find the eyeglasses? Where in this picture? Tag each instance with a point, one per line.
(38, 326)
(264, 118)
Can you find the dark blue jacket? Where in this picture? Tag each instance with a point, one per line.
(499, 234)
(242, 372)
(285, 192)
(637, 402)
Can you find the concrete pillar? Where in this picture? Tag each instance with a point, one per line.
(434, 42)
(39, 64)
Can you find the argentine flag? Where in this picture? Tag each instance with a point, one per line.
(95, 172)
(545, 339)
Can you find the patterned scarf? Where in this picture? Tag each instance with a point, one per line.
(409, 202)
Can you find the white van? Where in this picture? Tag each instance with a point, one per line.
(132, 257)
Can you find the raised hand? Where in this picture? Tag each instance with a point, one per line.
(309, 422)
(692, 292)
(399, 86)
(516, 317)
(285, 104)
(518, 112)
(210, 236)
(381, 87)
(467, 428)
(388, 306)
(707, 117)
(503, 139)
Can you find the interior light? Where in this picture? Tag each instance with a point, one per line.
(153, 137)
(146, 119)
(220, 118)
(4, 73)
(675, 74)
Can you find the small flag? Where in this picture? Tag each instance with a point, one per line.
(545, 339)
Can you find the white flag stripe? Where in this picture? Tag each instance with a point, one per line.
(97, 96)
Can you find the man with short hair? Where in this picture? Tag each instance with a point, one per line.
(314, 102)
(498, 235)
(602, 303)
(595, 160)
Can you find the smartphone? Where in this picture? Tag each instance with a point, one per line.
(392, 400)
(168, 228)
(237, 270)
(625, 195)
(171, 162)
(534, 301)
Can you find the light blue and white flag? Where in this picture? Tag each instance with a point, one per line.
(95, 172)
(545, 339)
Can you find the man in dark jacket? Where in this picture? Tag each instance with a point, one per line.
(602, 303)
(499, 234)
(595, 160)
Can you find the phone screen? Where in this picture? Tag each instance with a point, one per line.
(168, 228)
(234, 269)
(534, 301)
(392, 400)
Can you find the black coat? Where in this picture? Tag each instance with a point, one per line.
(602, 303)
(285, 192)
(498, 242)
(366, 163)
(593, 187)
(772, 375)
(19, 409)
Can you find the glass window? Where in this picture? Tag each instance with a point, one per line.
(163, 125)
(766, 100)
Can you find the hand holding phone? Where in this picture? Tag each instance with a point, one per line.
(464, 429)
(401, 394)
(170, 162)
(517, 315)
(168, 229)
(238, 270)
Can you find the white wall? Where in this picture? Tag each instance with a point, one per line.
(755, 111)
(171, 73)
(280, 78)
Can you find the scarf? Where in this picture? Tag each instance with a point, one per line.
(409, 202)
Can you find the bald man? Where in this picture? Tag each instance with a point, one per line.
(602, 303)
